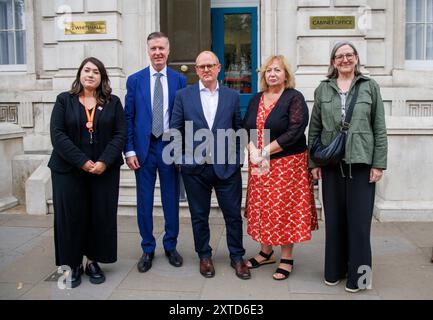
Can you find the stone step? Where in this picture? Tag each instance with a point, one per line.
(128, 174)
(128, 207)
(128, 202)
(128, 188)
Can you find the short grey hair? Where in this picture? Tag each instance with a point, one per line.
(157, 35)
(332, 71)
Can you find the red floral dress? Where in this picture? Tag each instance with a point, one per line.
(280, 205)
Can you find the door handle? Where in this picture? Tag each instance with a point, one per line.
(184, 68)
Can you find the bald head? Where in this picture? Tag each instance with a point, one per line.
(207, 53)
(207, 66)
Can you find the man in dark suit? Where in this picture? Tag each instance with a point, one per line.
(208, 107)
(148, 107)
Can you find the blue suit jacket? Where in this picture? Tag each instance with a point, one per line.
(138, 108)
(188, 107)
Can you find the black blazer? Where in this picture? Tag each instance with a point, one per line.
(65, 130)
(287, 122)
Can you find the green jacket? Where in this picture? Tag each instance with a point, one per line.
(367, 139)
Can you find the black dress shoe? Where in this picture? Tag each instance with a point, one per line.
(96, 276)
(174, 258)
(145, 262)
(76, 276)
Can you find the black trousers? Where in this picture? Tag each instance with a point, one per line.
(85, 216)
(229, 194)
(348, 203)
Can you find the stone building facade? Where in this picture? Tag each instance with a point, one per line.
(38, 60)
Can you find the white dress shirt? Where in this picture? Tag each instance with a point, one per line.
(209, 102)
(164, 83)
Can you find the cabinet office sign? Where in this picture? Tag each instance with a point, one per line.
(332, 22)
(85, 27)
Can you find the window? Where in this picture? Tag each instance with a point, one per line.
(419, 34)
(12, 33)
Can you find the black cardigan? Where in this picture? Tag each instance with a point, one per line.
(65, 130)
(287, 122)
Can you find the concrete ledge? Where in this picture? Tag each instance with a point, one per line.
(39, 190)
(403, 211)
(10, 131)
(23, 167)
(11, 145)
(8, 202)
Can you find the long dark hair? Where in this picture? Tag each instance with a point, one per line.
(332, 71)
(103, 91)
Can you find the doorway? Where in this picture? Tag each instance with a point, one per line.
(234, 41)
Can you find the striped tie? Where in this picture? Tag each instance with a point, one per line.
(157, 111)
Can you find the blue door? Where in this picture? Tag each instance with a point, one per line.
(234, 40)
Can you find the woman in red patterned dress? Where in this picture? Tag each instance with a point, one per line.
(280, 204)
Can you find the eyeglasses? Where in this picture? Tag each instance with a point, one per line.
(203, 67)
(349, 57)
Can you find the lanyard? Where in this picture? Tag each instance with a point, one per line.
(90, 117)
(89, 123)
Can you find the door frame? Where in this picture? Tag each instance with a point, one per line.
(219, 49)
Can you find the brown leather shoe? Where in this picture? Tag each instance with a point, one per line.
(241, 268)
(207, 269)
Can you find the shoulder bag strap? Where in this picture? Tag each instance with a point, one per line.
(348, 118)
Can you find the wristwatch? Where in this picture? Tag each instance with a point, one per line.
(264, 153)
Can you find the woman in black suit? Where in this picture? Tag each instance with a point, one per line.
(88, 132)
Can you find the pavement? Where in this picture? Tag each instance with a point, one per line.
(401, 266)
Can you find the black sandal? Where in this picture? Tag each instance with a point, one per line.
(285, 273)
(255, 264)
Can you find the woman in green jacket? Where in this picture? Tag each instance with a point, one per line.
(349, 187)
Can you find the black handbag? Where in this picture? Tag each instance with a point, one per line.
(334, 152)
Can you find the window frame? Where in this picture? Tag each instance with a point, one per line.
(19, 67)
(414, 64)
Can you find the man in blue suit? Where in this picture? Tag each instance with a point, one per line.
(207, 107)
(148, 108)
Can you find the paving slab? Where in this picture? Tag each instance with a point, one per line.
(26, 220)
(12, 291)
(348, 296)
(42, 245)
(164, 277)
(393, 250)
(128, 245)
(122, 294)
(129, 224)
(8, 258)
(401, 265)
(4, 218)
(421, 234)
(14, 237)
(30, 267)
(225, 284)
(86, 291)
(427, 253)
(404, 282)
(48, 233)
